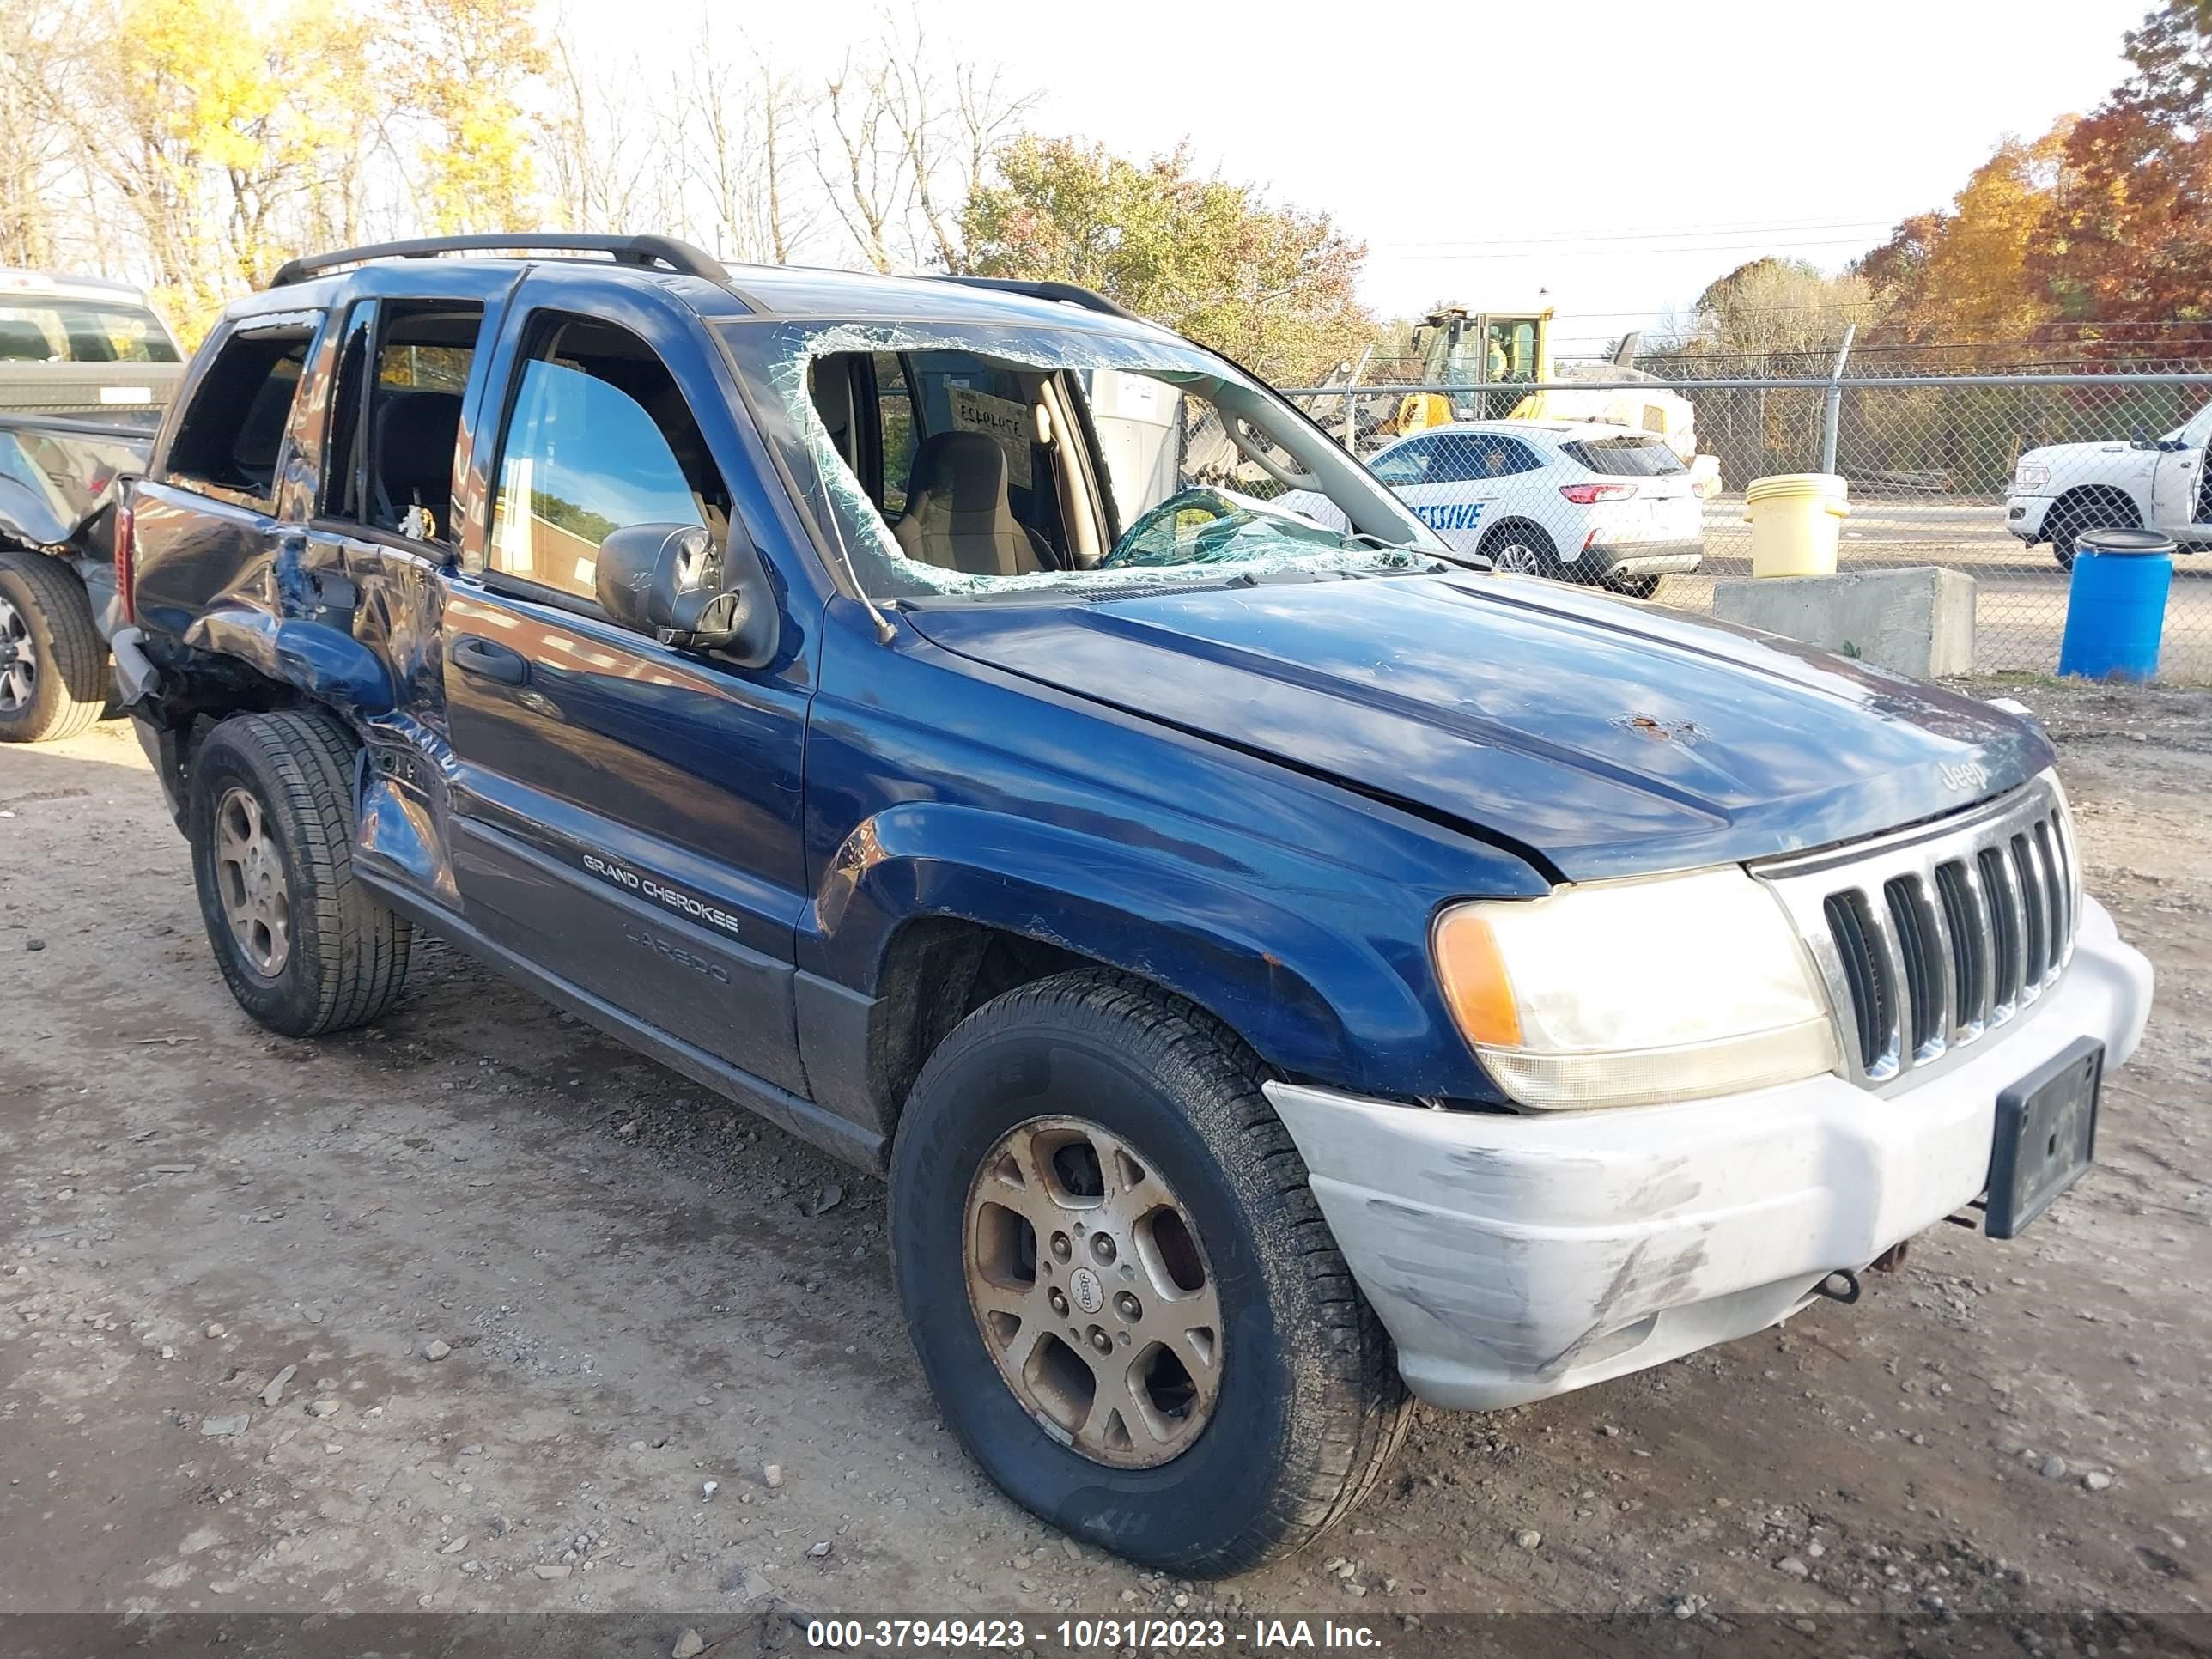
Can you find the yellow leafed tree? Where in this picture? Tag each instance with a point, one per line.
(468, 64)
(1974, 274)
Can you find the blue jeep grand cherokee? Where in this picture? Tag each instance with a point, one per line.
(1275, 968)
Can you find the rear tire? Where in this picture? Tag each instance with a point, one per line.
(1636, 588)
(300, 943)
(53, 664)
(1521, 549)
(1289, 1423)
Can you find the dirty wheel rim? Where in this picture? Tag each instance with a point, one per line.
(1093, 1293)
(249, 874)
(1516, 558)
(19, 661)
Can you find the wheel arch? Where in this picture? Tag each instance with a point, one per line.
(938, 968)
(1541, 538)
(2081, 496)
(932, 910)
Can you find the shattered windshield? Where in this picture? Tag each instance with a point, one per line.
(974, 459)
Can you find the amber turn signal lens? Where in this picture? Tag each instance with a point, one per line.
(1472, 971)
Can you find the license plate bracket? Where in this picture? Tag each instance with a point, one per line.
(2046, 1136)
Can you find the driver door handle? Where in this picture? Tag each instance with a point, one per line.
(488, 659)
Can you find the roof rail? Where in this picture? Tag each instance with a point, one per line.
(1064, 292)
(667, 251)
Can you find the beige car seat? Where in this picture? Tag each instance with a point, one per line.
(958, 516)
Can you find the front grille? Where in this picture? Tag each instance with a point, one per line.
(1934, 938)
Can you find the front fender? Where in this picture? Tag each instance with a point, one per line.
(1322, 970)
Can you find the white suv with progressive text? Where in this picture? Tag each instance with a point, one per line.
(1572, 501)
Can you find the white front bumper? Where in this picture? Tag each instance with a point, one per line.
(2024, 516)
(1516, 1256)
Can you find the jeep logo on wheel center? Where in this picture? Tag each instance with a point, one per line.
(1089, 1295)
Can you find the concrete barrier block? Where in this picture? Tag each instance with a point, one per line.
(1917, 620)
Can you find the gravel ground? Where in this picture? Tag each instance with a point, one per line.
(474, 1310)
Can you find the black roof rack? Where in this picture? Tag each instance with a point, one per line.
(667, 251)
(1066, 293)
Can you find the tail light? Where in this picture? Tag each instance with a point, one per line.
(126, 551)
(1585, 495)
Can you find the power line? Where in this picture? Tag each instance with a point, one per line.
(1656, 234)
(1610, 254)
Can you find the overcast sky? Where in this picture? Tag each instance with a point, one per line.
(1618, 155)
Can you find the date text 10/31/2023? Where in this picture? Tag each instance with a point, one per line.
(1258, 1636)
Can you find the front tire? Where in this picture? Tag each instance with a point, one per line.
(53, 664)
(2068, 519)
(302, 944)
(1121, 1288)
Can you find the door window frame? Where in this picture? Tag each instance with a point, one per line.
(530, 330)
(375, 311)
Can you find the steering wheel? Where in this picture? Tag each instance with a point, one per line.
(1130, 549)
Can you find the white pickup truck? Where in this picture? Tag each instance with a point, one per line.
(2061, 489)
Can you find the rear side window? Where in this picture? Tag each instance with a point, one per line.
(1474, 456)
(1624, 457)
(231, 434)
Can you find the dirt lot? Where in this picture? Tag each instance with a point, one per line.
(226, 1261)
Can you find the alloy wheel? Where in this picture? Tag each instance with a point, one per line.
(1518, 559)
(249, 872)
(1093, 1293)
(19, 660)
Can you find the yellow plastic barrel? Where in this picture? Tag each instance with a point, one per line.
(1796, 519)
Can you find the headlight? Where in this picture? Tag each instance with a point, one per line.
(2028, 476)
(1626, 993)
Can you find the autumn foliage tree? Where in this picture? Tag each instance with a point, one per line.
(2100, 227)
(2129, 235)
(1271, 286)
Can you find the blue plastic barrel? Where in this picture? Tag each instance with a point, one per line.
(2116, 606)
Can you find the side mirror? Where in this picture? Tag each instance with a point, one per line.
(671, 581)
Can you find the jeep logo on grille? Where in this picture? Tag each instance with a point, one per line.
(1964, 775)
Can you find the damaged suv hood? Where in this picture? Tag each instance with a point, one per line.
(1603, 738)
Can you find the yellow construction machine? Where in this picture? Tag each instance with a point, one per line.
(1489, 353)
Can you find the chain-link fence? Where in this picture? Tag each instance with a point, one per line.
(1638, 481)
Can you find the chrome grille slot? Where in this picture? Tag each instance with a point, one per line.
(1928, 940)
(2004, 916)
(1967, 933)
(2034, 917)
(1922, 950)
(1871, 1005)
